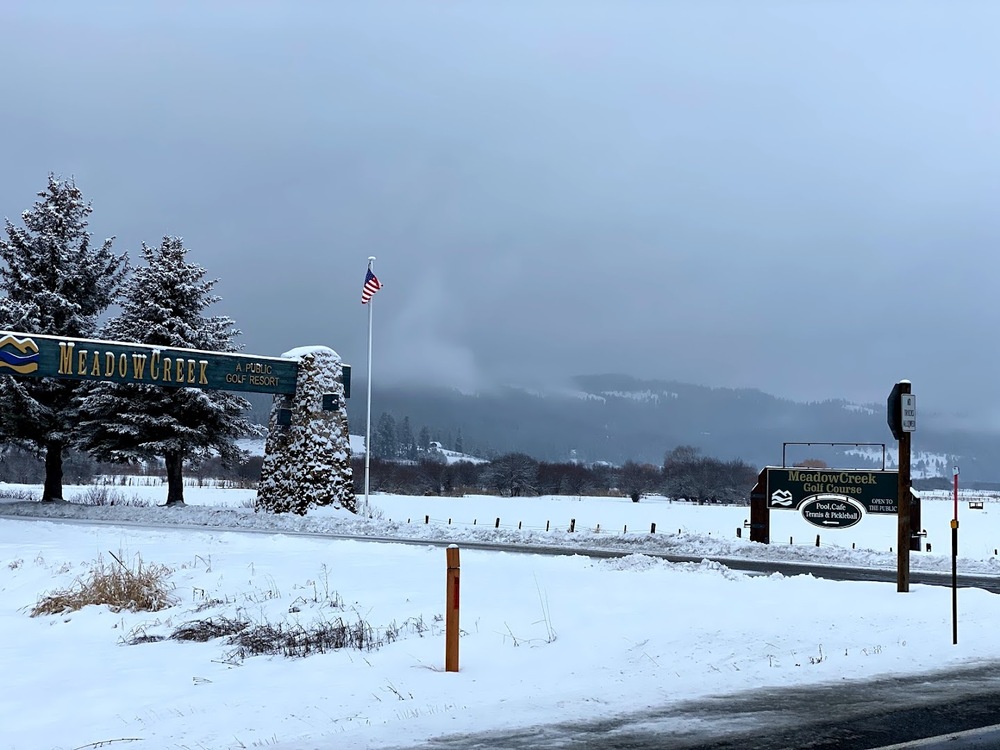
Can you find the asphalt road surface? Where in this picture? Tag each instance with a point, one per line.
(841, 716)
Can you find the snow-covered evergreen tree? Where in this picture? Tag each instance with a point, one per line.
(53, 283)
(407, 445)
(384, 441)
(163, 304)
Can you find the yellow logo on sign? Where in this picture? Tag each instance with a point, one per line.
(25, 361)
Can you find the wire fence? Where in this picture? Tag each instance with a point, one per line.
(571, 526)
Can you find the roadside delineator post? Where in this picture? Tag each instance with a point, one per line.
(451, 610)
(954, 567)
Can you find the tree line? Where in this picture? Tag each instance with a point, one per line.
(54, 281)
(684, 475)
(392, 439)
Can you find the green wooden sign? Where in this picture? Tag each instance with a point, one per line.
(876, 491)
(89, 359)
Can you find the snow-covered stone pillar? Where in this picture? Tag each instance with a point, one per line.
(307, 461)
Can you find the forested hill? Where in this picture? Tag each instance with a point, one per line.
(616, 418)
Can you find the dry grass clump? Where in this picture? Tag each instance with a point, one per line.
(291, 640)
(137, 588)
(103, 496)
(205, 630)
(23, 495)
(298, 641)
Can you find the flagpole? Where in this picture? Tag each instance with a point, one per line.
(368, 422)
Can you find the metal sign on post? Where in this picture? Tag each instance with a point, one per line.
(894, 410)
(908, 415)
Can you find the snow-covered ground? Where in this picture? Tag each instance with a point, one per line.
(544, 638)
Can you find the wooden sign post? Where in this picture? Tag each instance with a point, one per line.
(901, 415)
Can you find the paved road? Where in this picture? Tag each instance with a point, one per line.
(840, 716)
(987, 738)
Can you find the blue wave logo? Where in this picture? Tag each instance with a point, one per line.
(782, 498)
(19, 355)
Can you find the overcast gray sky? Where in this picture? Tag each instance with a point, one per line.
(795, 196)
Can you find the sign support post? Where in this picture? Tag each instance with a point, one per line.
(901, 415)
(903, 517)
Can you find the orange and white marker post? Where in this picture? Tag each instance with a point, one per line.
(451, 613)
(954, 567)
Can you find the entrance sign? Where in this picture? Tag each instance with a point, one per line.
(307, 457)
(89, 359)
(793, 488)
(831, 511)
(836, 498)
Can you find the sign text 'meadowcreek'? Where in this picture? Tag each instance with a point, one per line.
(84, 359)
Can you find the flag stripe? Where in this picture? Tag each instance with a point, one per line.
(372, 285)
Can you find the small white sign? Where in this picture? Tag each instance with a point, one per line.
(908, 406)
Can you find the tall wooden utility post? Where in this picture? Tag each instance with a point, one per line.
(901, 415)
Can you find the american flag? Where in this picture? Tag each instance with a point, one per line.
(372, 285)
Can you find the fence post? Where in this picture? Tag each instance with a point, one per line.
(497, 526)
(427, 519)
(572, 525)
(652, 528)
(451, 613)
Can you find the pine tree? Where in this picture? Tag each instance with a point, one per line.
(407, 445)
(54, 283)
(458, 441)
(424, 439)
(384, 441)
(163, 304)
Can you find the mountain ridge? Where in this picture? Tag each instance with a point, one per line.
(617, 418)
